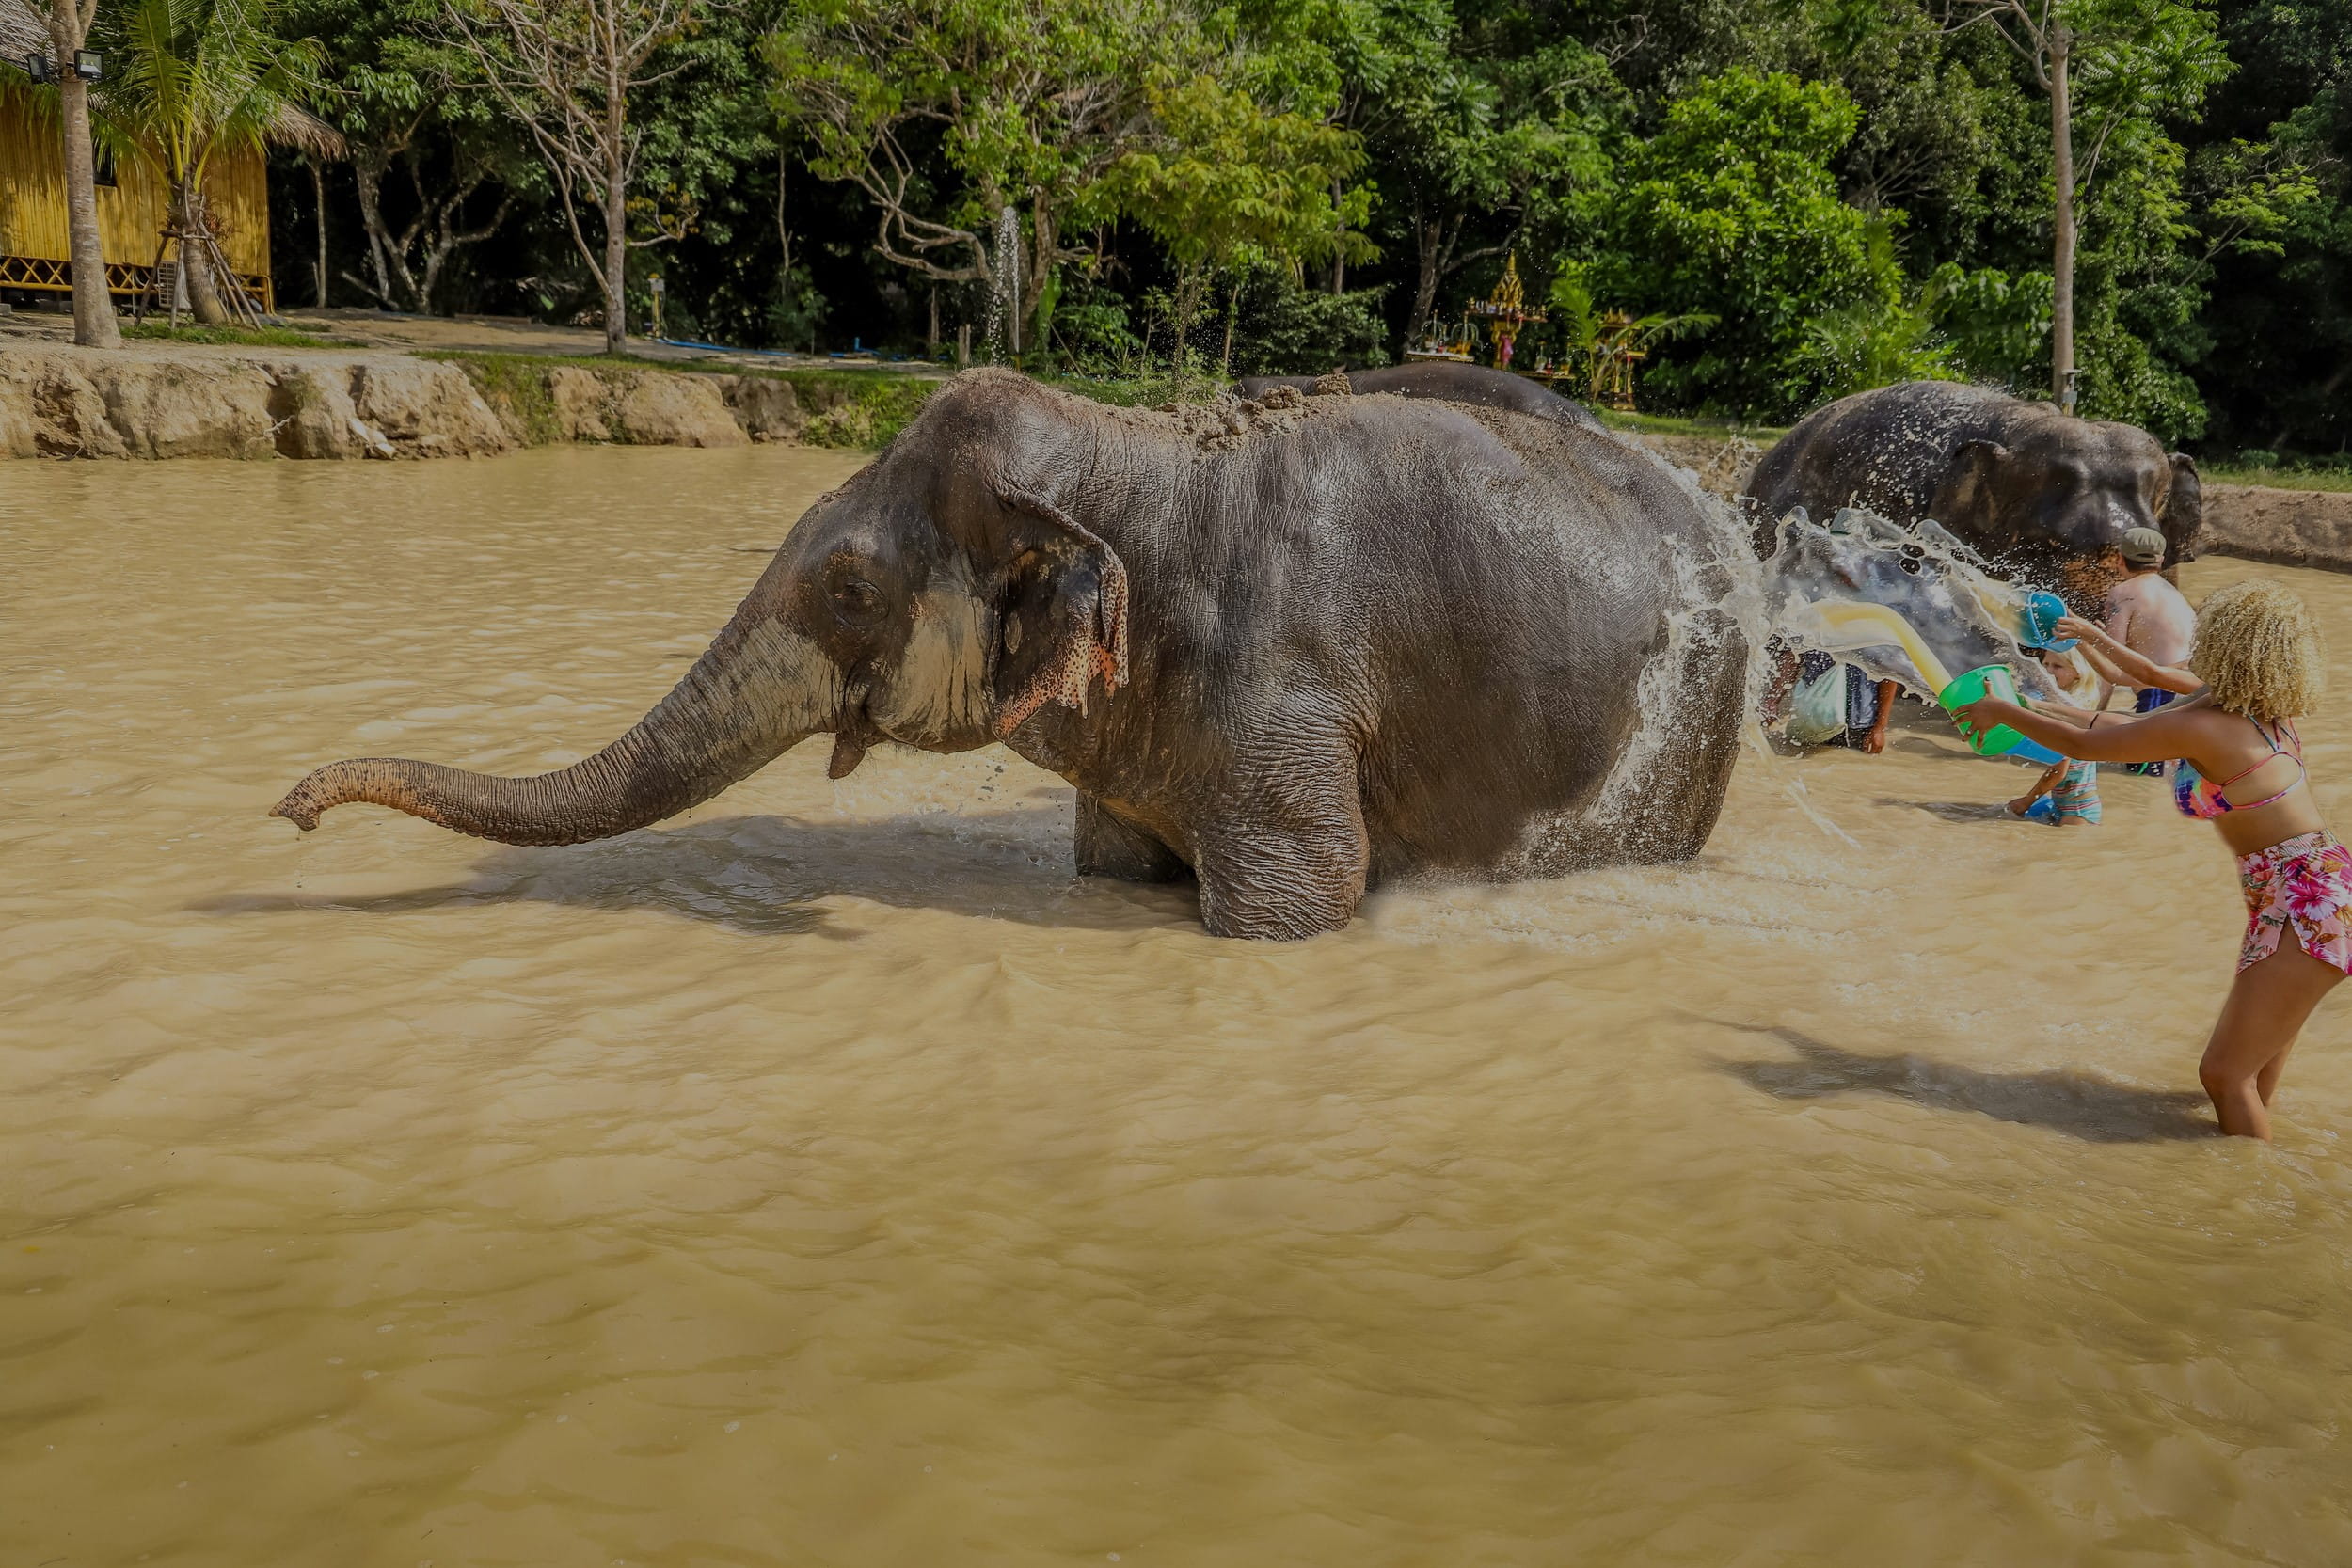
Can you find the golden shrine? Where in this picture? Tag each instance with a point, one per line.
(1508, 309)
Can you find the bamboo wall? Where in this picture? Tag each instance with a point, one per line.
(131, 213)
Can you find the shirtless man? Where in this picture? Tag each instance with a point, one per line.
(2148, 615)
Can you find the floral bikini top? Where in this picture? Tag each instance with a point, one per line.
(2200, 798)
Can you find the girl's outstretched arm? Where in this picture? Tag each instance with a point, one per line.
(2115, 662)
(2158, 737)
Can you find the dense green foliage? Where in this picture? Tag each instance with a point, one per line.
(1821, 195)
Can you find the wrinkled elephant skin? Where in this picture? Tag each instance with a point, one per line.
(1294, 647)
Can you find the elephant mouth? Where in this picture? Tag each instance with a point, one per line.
(852, 738)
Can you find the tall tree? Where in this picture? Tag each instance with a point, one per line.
(2140, 57)
(945, 112)
(196, 78)
(1227, 185)
(438, 170)
(70, 23)
(565, 70)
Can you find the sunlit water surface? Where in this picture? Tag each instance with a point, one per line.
(828, 1178)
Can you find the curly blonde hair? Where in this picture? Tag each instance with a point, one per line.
(2260, 651)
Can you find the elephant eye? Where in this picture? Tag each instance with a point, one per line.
(856, 599)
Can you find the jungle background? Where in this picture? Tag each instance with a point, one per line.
(1798, 197)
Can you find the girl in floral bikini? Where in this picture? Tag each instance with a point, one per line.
(2241, 769)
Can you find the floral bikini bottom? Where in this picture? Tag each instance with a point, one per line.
(2303, 884)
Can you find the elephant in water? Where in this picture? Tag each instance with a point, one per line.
(1295, 647)
(1446, 381)
(2034, 489)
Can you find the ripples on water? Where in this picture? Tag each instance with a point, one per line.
(826, 1178)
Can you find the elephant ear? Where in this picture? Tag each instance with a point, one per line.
(2183, 519)
(1064, 615)
(1965, 489)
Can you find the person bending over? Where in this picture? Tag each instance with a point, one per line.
(2240, 767)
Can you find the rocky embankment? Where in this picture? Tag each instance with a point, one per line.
(2292, 528)
(159, 401)
(142, 402)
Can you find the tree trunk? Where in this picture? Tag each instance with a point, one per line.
(93, 306)
(318, 199)
(755, 693)
(196, 263)
(615, 232)
(2062, 262)
(1426, 238)
(1233, 310)
(367, 173)
(1338, 256)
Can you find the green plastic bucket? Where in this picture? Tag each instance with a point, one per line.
(1987, 680)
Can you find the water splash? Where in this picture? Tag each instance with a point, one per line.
(1960, 616)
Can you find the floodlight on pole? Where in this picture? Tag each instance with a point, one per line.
(88, 64)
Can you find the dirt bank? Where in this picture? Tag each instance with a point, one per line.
(2293, 528)
(175, 400)
(169, 401)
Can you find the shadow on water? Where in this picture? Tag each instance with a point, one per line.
(1957, 810)
(2095, 1110)
(771, 876)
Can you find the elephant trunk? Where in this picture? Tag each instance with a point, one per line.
(759, 690)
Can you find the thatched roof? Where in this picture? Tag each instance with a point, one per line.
(23, 31)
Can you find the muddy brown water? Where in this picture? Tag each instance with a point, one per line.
(827, 1177)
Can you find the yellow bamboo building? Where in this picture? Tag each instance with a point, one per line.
(133, 199)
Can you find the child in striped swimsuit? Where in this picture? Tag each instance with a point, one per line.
(2067, 793)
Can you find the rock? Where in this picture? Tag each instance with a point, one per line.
(676, 411)
(185, 409)
(312, 407)
(582, 400)
(767, 409)
(2292, 528)
(150, 401)
(425, 408)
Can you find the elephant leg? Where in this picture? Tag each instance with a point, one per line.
(1108, 845)
(1289, 860)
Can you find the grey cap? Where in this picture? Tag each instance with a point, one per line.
(2143, 547)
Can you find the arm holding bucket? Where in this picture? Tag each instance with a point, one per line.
(2158, 737)
(2115, 662)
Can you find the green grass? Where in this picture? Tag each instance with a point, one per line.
(2280, 478)
(1675, 424)
(233, 336)
(847, 408)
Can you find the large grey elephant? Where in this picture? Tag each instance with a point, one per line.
(2030, 487)
(1297, 647)
(1478, 385)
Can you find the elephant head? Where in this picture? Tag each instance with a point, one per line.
(2056, 487)
(935, 599)
(2182, 517)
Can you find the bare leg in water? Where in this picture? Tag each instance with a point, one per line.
(2265, 1011)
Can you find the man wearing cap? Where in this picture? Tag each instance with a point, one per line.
(2148, 615)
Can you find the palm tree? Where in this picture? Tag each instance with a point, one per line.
(193, 78)
(1606, 342)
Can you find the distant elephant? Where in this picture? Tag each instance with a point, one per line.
(1476, 384)
(2029, 486)
(1299, 646)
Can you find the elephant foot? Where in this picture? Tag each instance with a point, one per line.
(1295, 866)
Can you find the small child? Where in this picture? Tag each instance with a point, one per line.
(2068, 792)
